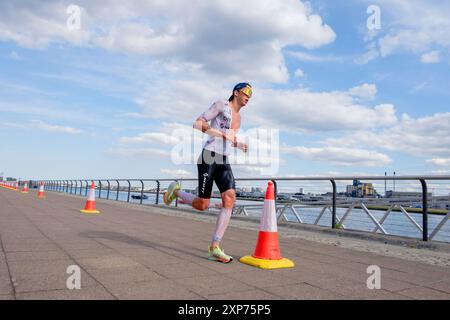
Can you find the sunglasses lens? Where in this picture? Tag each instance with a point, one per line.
(247, 91)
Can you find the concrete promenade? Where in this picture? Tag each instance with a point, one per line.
(137, 252)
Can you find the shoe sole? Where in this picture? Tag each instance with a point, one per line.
(220, 260)
(165, 199)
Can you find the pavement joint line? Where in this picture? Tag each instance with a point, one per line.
(139, 233)
(164, 252)
(9, 269)
(63, 250)
(325, 289)
(117, 252)
(252, 286)
(194, 215)
(6, 259)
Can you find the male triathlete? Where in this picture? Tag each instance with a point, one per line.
(213, 165)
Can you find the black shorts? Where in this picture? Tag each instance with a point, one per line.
(213, 167)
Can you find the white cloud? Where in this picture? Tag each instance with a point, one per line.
(217, 36)
(15, 56)
(300, 110)
(37, 25)
(150, 138)
(422, 137)
(40, 125)
(339, 156)
(177, 173)
(139, 153)
(410, 27)
(54, 128)
(430, 57)
(303, 56)
(370, 55)
(297, 109)
(444, 162)
(299, 73)
(365, 91)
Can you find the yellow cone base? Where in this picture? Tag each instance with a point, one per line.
(41, 197)
(267, 264)
(23, 191)
(90, 211)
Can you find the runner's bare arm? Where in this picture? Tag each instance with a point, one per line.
(202, 123)
(203, 126)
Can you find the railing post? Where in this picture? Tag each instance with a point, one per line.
(333, 215)
(86, 191)
(100, 189)
(76, 186)
(81, 186)
(129, 190)
(176, 199)
(142, 190)
(67, 186)
(275, 191)
(424, 210)
(71, 186)
(109, 186)
(157, 192)
(118, 189)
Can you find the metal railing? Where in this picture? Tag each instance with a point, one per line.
(331, 206)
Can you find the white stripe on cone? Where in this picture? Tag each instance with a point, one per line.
(91, 195)
(269, 217)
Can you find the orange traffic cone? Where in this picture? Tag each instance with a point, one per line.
(25, 188)
(90, 203)
(267, 253)
(41, 191)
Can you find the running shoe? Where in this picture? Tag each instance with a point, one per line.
(217, 254)
(169, 195)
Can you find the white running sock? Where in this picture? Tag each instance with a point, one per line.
(222, 223)
(186, 197)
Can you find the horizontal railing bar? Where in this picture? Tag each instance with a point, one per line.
(431, 177)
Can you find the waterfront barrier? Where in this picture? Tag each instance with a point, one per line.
(362, 214)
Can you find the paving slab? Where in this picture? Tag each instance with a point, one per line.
(154, 252)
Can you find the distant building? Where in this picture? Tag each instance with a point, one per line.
(399, 194)
(360, 190)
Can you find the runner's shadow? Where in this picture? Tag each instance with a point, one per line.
(121, 237)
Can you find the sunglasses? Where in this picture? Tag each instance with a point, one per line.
(247, 91)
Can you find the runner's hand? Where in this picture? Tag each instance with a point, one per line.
(242, 146)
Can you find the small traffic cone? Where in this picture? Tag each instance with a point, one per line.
(25, 188)
(41, 191)
(90, 203)
(267, 253)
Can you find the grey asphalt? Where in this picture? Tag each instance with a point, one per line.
(136, 252)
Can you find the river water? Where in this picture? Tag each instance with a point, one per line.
(396, 224)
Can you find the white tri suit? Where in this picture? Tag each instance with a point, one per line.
(213, 165)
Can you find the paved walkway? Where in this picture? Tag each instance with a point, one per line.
(135, 252)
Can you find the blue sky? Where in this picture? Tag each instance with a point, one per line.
(103, 100)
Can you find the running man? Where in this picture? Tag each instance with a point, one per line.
(213, 165)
